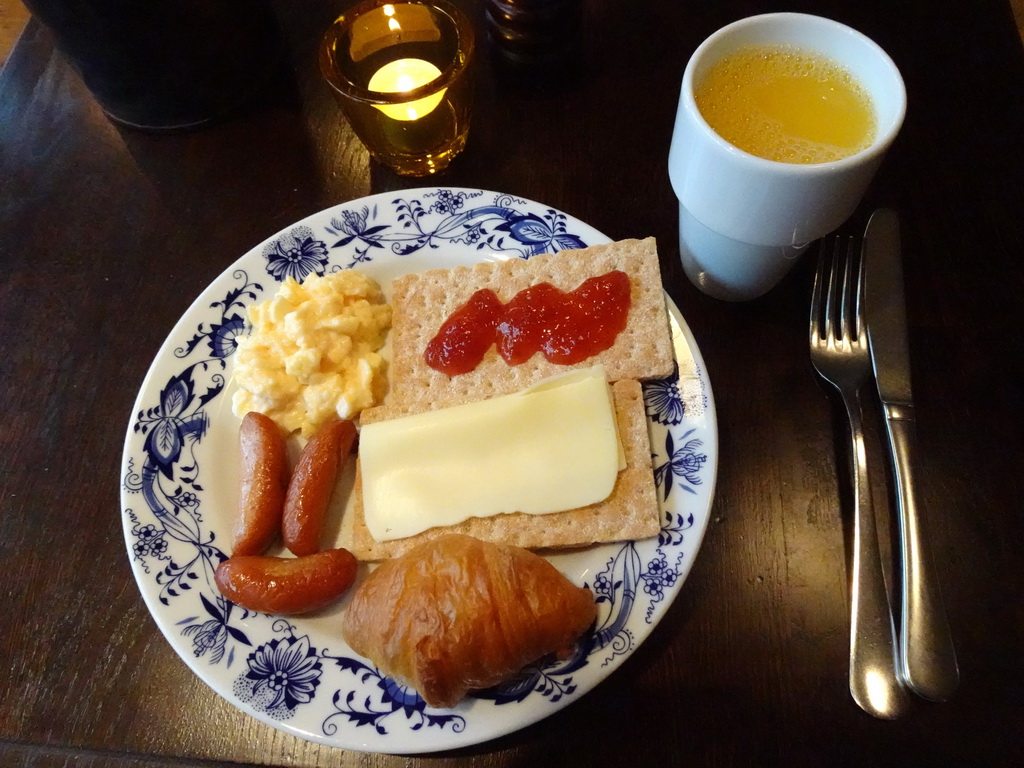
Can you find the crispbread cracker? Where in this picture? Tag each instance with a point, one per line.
(421, 303)
(630, 512)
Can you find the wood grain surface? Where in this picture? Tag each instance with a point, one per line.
(107, 235)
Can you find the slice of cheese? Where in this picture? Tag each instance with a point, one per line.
(547, 449)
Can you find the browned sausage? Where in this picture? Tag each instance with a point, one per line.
(286, 585)
(309, 492)
(264, 484)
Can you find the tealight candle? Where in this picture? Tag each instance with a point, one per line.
(401, 70)
(400, 76)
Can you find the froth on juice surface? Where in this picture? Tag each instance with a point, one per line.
(786, 104)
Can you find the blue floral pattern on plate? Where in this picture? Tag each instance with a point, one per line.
(298, 674)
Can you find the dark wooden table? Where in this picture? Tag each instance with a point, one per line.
(107, 235)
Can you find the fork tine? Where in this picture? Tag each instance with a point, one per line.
(820, 286)
(834, 301)
(851, 313)
(846, 309)
(859, 325)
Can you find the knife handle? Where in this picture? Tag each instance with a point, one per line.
(927, 658)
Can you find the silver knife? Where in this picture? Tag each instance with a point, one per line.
(927, 660)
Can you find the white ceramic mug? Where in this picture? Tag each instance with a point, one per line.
(744, 220)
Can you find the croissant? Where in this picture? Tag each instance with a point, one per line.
(457, 614)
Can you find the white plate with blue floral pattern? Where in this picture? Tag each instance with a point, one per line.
(179, 487)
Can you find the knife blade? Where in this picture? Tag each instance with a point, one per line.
(927, 659)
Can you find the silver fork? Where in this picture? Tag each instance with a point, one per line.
(839, 352)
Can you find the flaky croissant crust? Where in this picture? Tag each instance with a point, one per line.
(458, 614)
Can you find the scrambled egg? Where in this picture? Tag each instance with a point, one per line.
(313, 353)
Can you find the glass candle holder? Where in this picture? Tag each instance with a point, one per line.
(401, 72)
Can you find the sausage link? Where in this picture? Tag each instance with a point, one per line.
(264, 484)
(286, 585)
(309, 492)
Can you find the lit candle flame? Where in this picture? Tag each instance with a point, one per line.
(400, 76)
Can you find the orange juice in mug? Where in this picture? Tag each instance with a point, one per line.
(787, 104)
(803, 80)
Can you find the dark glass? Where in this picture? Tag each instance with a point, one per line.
(535, 34)
(166, 64)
